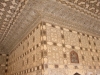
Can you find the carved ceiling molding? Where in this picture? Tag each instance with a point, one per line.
(7, 9)
(13, 18)
(20, 4)
(88, 7)
(35, 11)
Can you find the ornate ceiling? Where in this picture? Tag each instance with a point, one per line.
(18, 17)
(89, 7)
(7, 9)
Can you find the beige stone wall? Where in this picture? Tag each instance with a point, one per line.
(46, 51)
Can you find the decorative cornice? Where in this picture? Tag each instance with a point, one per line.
(7, 11)
(13, 19)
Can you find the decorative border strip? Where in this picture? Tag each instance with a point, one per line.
(36, 68)
(78, 8)
(15, 16)
(73, 31)
(6, 63)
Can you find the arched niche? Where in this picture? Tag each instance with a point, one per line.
(77, 74)
(74, 57)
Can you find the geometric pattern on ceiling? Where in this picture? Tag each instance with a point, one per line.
(93, 6)
(9, 10)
